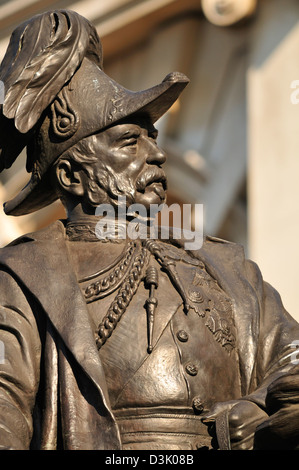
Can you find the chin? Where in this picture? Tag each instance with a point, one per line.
(149, 198)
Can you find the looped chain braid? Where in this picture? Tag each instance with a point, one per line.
(123, 298)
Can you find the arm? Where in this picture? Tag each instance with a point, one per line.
(275, 333)
(19, 365)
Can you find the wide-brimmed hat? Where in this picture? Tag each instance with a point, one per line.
(63, 98)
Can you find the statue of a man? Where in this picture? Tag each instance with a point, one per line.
(118, 342)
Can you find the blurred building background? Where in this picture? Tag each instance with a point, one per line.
(233, 137)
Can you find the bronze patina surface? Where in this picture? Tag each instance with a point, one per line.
(118, 342)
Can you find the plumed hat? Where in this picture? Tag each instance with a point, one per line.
(56, 93)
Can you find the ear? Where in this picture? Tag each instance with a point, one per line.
(68, 178)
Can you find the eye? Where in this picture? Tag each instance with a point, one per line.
(153, 136)
(130, 140)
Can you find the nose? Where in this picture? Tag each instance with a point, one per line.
(155, 155)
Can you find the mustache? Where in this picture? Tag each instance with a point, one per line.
(149, 176)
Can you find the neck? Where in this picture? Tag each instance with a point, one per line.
(88, 254)
(77, 212)
(83, 223)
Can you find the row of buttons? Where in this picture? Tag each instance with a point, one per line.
(192, 370)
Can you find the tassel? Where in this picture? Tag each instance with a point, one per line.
(151, 281)
(169, 266)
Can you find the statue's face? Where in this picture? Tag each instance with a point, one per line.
(129, 163)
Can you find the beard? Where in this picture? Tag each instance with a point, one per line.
(107, 187)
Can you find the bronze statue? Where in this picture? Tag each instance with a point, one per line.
(118, 342)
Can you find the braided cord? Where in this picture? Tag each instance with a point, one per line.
(123, 298)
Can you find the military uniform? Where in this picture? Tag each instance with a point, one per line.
(66, 393)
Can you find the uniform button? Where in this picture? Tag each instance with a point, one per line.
(197, 405)
(182, 336)
(191, 369)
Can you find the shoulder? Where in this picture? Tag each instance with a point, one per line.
(49, 233)
(211, 248)
(218, 244)
(25, 257)
(54, 230)
(223, 258)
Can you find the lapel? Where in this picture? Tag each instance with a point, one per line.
(169, 301)
(46, 271)
(226, 263)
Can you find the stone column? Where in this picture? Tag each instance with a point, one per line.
(273, 147)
